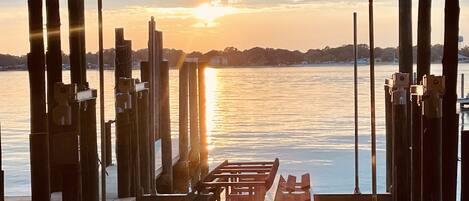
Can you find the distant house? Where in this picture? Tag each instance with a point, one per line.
(218, 61)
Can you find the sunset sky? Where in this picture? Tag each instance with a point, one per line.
(215, 24)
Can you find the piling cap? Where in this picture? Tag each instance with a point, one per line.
(434, 83)
(401, 80)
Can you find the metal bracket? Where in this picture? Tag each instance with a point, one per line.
(401, 83)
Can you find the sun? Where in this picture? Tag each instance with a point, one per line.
(209, 12)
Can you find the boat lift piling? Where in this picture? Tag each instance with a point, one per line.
(388, 86)
(195, 141)
(355, 84)
(108, 139)
(401, 142)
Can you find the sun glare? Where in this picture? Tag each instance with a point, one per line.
(210, 12)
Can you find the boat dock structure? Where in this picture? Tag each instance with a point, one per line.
(422, 123)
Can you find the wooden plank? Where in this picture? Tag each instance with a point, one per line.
(305, 182)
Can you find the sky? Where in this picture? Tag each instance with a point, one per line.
(202, 25)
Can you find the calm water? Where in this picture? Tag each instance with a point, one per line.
(301, 115)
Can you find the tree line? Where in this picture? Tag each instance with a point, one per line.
(256, 56)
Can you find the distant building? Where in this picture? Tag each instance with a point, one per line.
(218, 61)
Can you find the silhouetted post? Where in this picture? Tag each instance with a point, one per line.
(372, 102)
(195, 141)
(355, 88)
(423, 68)
(39, 140)
(89, 146)
(2, 173)
(464, 165)
(181, 175)
(388, 86)
(401, 146)
(105, 159)
(144, 137)
(462, 85)
(146, 76)
(150, 77)
(165, 181)
(54, 75)
(76, 9)
(433, 89)
(123, 60)
(123, 133)
(450, 117)
(108, 139)
(158, 59)
(135, 139)
(203, 119)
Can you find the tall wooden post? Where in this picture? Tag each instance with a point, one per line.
(123, 132)
(108, 140)
(105, 145)
(195, 141)
(203, 119)
(39, 141)
(423, 68)
(146, 76)
(450, 118)
(144, 137)
(165, 182)
(54, 75)
(2, 173)
(76, 9)
(374, 189)
(401, 161)
(134, 141)
(431, 137)
(89, 150)
(181, 174)
(389, 133)
(464, 165)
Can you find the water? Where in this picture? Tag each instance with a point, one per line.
(301, 115)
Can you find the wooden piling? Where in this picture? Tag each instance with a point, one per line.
(401, 145)
(450, 118)
(2, 173)
(464, 165)
(146, 75)
(195, 141)
(144, 137)
(135, 189)
(123, 60)
(462, 86)
(89, 151)
(39, 140)
(151, 79)
(108, 133)
(181, 175)
(431, 138)
(423, 68)
(165, 181)
(54, 75)
(203, 118)
(106, 160)
(389, 133)
(76, 9)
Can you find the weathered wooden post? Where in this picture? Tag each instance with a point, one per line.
(423, 68)
(450, 117)
(165, 181)
(462, 86)
(88, 145)
(464, 165)
(195, 142)
(431, 93)
(374, 189)
(54, 75)
(135, 137)
(146, 75)
(108, 133)
(2, 173)
(203, 119)
(123, 73)
(181, 174)
(388, 86)
(401, 146)
(144, 137)
(39, 140)
(123, 132)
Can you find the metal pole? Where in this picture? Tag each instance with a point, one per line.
(101, 102)
(39, 139)
(401, 142)
(372, 92)
(450, 117)
(355, 81)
